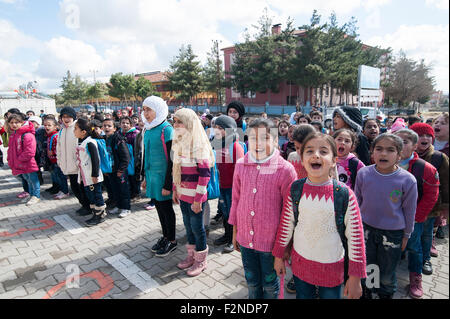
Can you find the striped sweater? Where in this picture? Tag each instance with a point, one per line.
(317, 252)
(194, 181)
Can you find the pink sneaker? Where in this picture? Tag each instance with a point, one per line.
(149, 207)
(433, 250)
(415, 285)
(23, 195)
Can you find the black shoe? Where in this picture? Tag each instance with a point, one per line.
(221, 241)
(94, 221)
(427, 268)
(216, 220)
(229, 248)
(166, 249)
(53, 190)
(440, 233)
(1, 164)
(403, 257)
(366, 293)
(290, 287)
(159, 244)
(381, 296)
(84, 211)
(110, 204)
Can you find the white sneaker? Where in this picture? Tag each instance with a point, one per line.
(62, 196)
(33, 200)
(57, 194)
(114, 211)
(124, 213)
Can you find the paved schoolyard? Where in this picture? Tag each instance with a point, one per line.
(42, 248)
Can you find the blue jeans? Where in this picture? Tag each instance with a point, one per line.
(427, 238)
(225, 201)
(384, 248)
(414, 248)
(24, 184)
(195, 230)
(34, 186)
(59, 178)
(262, 280)
(307, 291)
(94, 194)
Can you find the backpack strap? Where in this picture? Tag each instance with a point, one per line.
(353, 168)
(417, 170)
(296, 195)
(22, 137)
(436, 159)
(163, 140)
(340, 199)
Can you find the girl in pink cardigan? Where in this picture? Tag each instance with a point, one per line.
(261, 179)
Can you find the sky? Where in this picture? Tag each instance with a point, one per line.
(41, 40)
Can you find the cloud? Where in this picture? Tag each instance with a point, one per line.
(12, 39)
(428, 42)
(440, 4)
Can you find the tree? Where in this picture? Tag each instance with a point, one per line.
(122, 86)
(213, 75)
(409, 81)
(145, 88)
(74, 89)
(185, 75)
(96, 91)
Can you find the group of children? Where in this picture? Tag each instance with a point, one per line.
(328, 204)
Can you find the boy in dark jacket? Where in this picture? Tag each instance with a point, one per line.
(128, 131)
(118, 179)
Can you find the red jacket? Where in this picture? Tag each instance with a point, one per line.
(51, 152)
(226, 169)
(21, 153)
(430, 189)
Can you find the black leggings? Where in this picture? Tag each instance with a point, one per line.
(78, 191)
(166, 216)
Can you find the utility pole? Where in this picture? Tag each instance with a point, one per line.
(219, 82)
(95, 83)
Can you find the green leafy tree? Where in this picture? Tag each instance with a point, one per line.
(96, 91)
(213, 74)
(185, 75)
(122, 86)
(145, 88)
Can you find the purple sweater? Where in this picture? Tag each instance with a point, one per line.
(387, 202)
(257, 200)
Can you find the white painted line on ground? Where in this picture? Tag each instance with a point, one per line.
(68, 223)
(12, 180)
(133, 273)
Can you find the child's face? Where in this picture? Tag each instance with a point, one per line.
(207, 121)
(141, 125)
(283, 129)
(386, 156)
(149, 114)
(14, 125)
(441, 129)
(108, 116)
(135, 120)
(125, 125)
(98, 130)
(344, 144)
(219, 132)
(408, 146)
(78, 132)
(389, 123)
(49, 126)
(261, 144)
(180, 128)
(303, 120)
(371, 130)
(338, 122)
(317, 118)
(233, 113)
(424, 143)
(67, 120)
(291, 133)
(109, 128)
(318, 159)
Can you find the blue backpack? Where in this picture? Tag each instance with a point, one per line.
(213, 185)
(130, 167)
(244, 146)
(106, 158)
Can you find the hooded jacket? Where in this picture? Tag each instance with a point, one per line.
(21, 153)
(66, 150)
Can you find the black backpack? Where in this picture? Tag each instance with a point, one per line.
(340, 197)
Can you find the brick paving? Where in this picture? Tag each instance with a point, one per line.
(38, 255)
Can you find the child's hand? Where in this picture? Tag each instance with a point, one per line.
(144, 184)
(279, 266)
(353, 289)
(196, 207)
(175, 198)
(95, 180)
(165, 192)
(235, 243)
(119, 173)
(404, 243)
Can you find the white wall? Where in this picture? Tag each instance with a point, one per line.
(24, 105)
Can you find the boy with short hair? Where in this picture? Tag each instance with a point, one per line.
(419, 243)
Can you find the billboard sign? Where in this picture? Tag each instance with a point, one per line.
(368, 77)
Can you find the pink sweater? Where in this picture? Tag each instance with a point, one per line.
(257, 200)
(194, 181)
(317, 253)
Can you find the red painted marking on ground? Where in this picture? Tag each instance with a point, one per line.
(104, 281)
(48, 223)
(10, 203)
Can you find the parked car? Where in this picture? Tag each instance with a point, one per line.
(366, 112)
(401, 112)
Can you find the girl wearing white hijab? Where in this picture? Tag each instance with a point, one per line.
(192, 160)
(156, 166)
